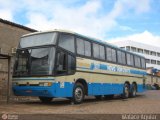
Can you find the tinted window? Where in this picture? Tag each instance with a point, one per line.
(95, 50)
(80, 46)
(71, 64)
(67, 42)
(123, 58)
(130, 59)
(143, 63)
(87, 48)
(98, 51)
(137, 61)
(38, 39)
(114, 56)
(109, 54)
(61, 64)
(119, 57)
(102, 53)
(83, 47)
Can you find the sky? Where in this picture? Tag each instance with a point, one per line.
(137, 20)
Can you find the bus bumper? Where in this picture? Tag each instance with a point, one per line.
(56, 90)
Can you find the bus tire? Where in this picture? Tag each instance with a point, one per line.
(156, 86)
(133, 92)
(45, 99)
(78, 93)
(126, 91)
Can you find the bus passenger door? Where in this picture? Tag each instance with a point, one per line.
(65, 66)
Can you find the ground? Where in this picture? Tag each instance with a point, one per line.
(145, 103)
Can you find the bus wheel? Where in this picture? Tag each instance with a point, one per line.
(46, 99)
(133, 90)
(98, 97)
(78, 93)
(125, 94)
(156, 86)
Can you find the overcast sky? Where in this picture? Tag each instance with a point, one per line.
(137, 20)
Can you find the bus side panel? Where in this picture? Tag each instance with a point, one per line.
(64, 89)
(140, 88)
(104, 89)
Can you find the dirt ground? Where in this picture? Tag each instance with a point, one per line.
(145, 103)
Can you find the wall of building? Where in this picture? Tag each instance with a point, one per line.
(10, 34)
(151, 53)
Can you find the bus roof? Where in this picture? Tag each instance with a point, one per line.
(84, 36)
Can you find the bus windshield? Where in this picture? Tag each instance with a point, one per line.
(38, 40)
(39, 61)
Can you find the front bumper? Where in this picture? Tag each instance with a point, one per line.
(56, 90)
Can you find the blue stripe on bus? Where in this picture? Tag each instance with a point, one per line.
(113, 69)
(56, 91)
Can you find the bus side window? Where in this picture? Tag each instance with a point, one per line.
(66, 41)
(71, 64)
(66, 63)
(61, 65)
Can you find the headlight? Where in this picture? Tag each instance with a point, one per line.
(45, 84)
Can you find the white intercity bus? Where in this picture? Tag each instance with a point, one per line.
(66, 64)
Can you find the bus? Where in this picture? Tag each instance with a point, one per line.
(66, 64)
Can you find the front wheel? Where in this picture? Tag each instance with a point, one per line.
(45, 99)
(78, 93)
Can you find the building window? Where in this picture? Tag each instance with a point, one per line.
(153, 53)
(140, 50)
(122, 48)
(147, 60)
(153, 61)
(128, 48)
(158, 62)
(133, 49)
(158, 54)
(146, 52)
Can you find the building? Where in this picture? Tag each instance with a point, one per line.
(151, 53)
(10, 34)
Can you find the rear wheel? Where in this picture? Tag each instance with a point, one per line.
(133, 90)
(46, 99)
(78, 93)
(156, 86)
(125, 94)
